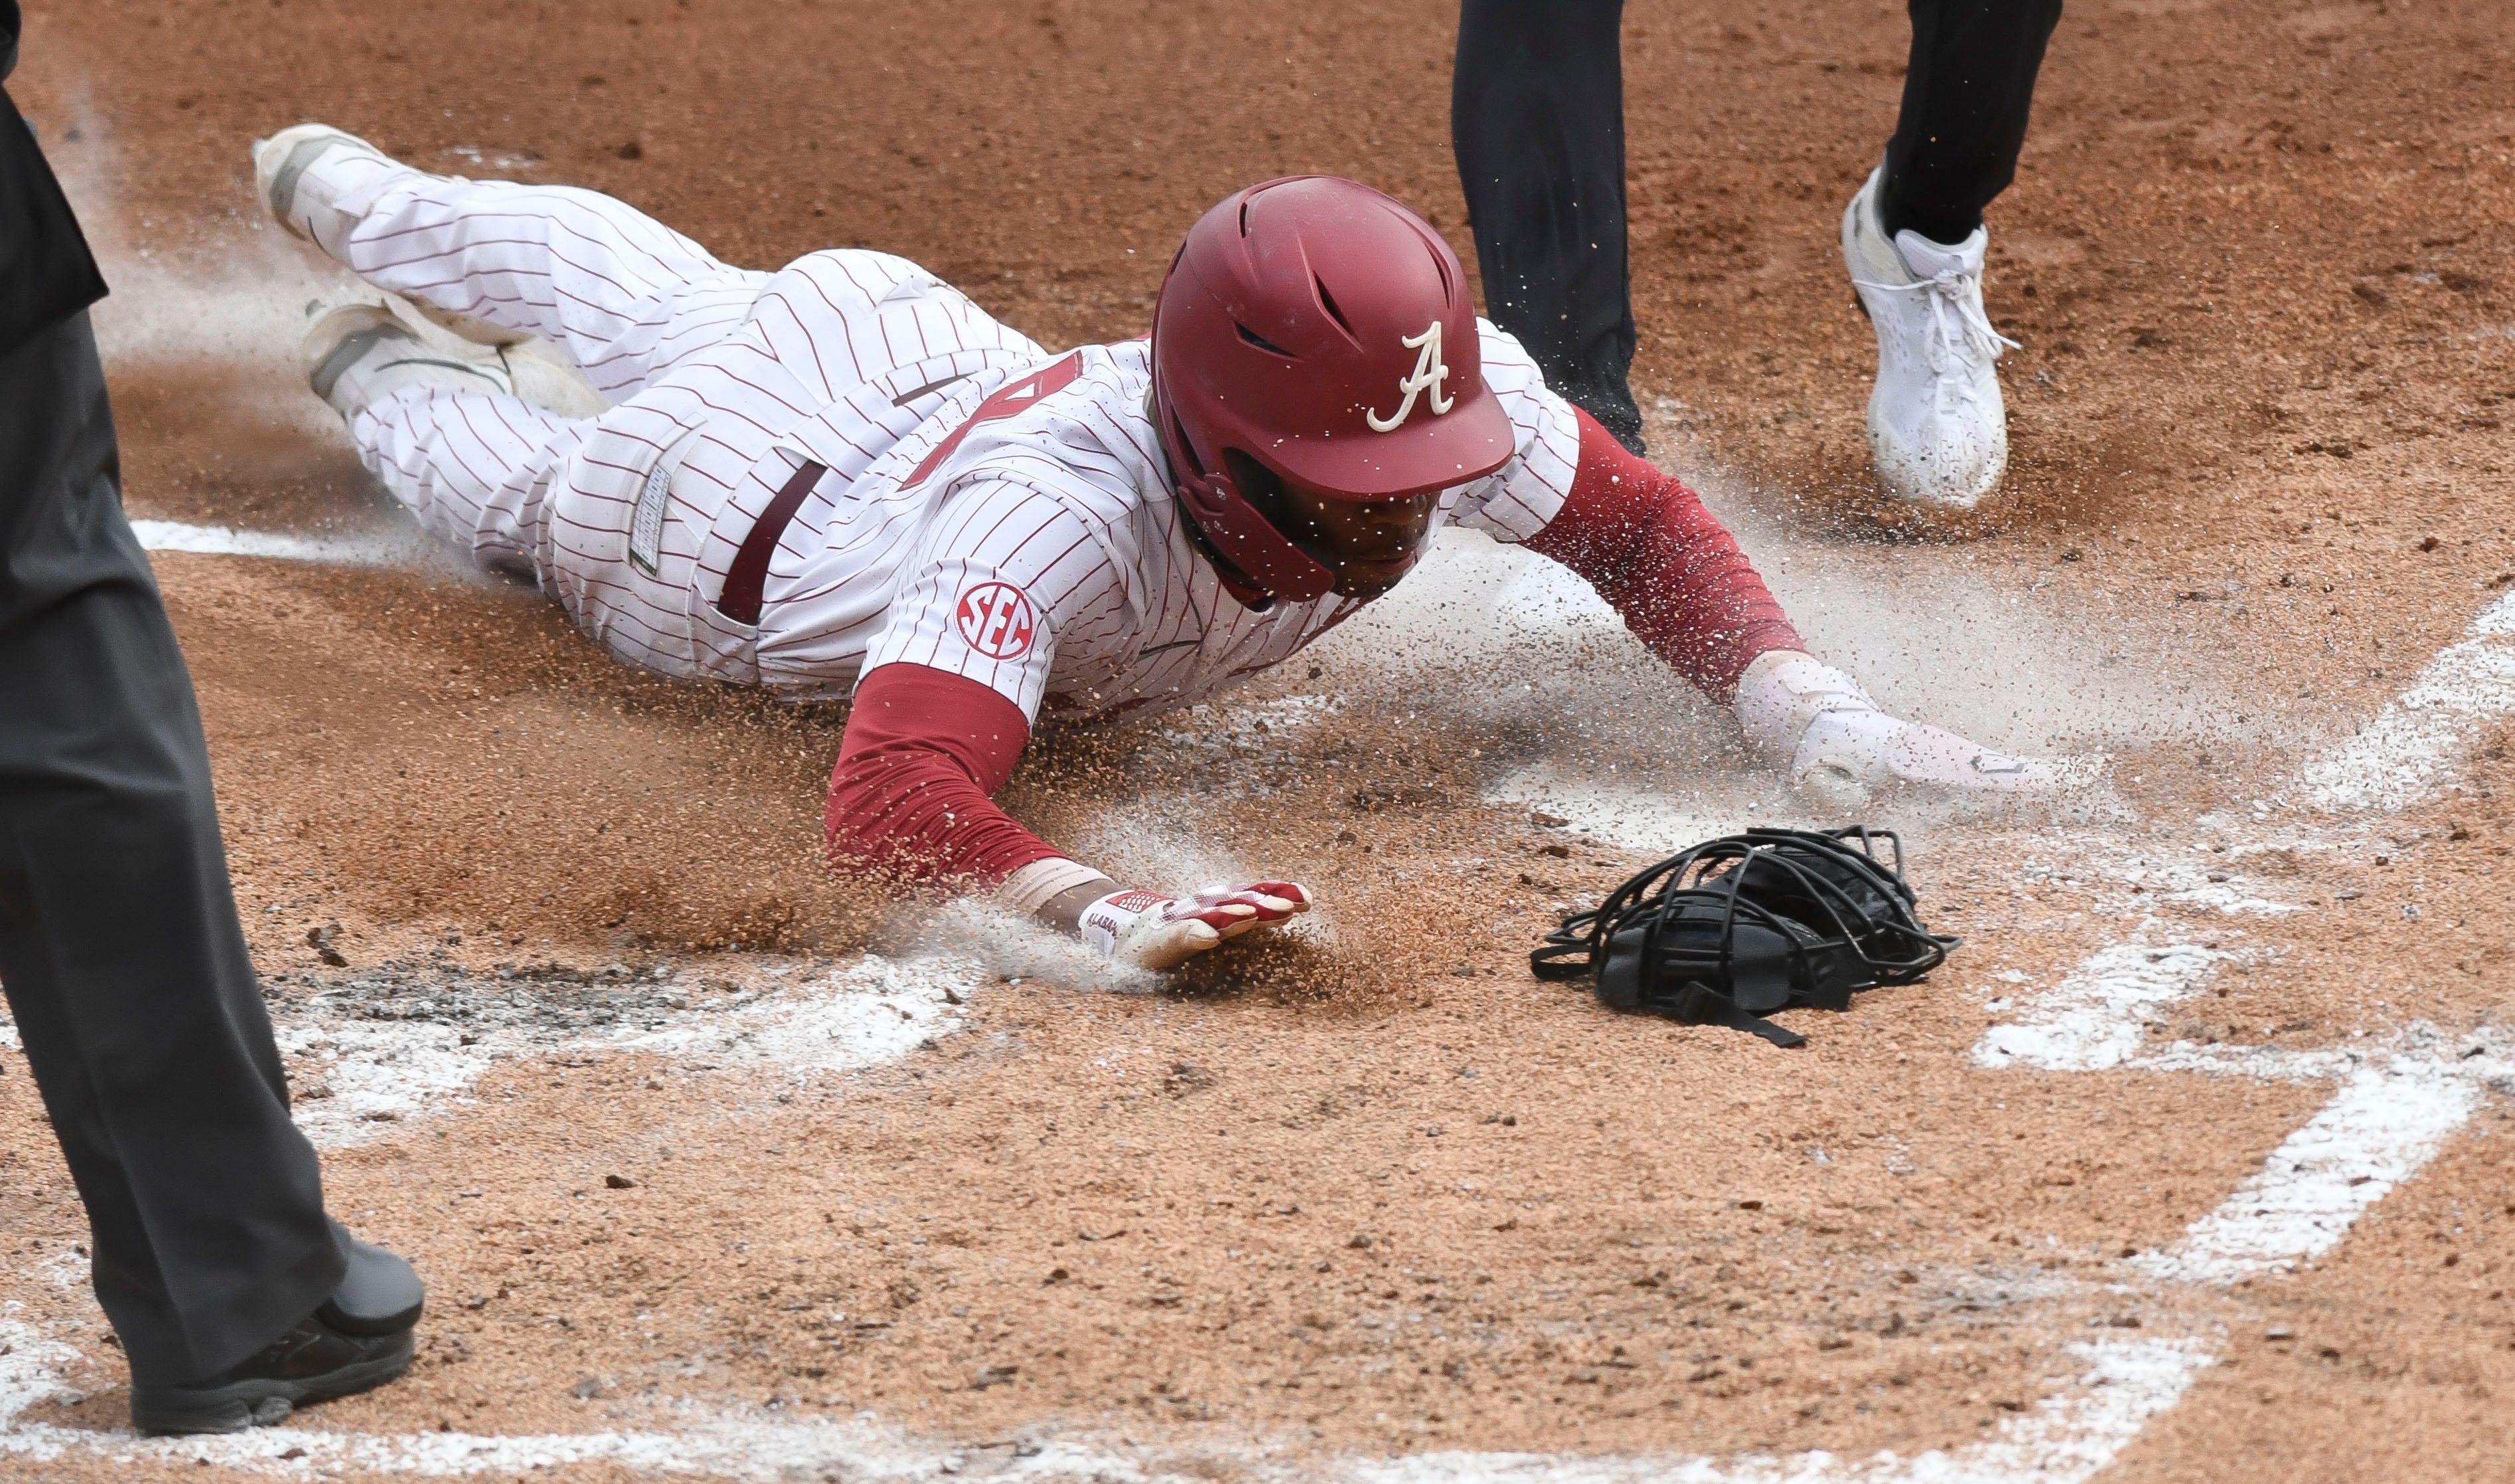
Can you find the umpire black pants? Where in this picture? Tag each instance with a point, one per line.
(119, 948)
(1537, 115)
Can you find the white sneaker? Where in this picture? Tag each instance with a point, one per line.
(1938, 430)
(316, 181)
(360, 354)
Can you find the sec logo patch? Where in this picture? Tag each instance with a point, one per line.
(995, 619)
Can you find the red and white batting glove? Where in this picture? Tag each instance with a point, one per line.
(1150, 930)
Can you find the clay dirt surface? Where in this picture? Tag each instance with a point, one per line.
(1375, 1192)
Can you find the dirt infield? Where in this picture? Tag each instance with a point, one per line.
(2193, 1164)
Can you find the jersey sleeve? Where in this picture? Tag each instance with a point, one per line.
(1525, 495)
(999, 571)
(909, 797)
(949, 686)
(1666, 564)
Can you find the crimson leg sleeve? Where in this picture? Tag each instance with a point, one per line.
(909, 799)
(1666, 564)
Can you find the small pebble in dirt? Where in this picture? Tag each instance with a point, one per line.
(2279, 1332)
(586, 1389)
(619, 1183)
(1361, 1242)
(320, 939)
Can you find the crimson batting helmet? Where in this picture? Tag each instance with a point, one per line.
(1316, 384)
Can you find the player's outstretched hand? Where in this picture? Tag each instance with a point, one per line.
(1846, 758)
(1150, 930)
(1825, 733)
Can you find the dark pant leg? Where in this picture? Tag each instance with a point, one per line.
(119, 947)
(1966, 102)
(1537, 115)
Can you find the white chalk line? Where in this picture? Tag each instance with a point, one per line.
(2388, 1119)
(2120, 1385)
(2067, 1439)
(227, 541)
(2098, 1016)
(2409, 748)
(380, 1071)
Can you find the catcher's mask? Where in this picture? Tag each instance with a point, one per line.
(1317, 382)
(1737, 927)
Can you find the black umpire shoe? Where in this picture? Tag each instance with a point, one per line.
(358, 1339)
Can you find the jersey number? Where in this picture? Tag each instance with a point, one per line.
(1008, 399)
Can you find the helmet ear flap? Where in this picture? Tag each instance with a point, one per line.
(1187, 449)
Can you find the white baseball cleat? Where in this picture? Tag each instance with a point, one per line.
(1938, 430)
(360, 354)
(316, 181)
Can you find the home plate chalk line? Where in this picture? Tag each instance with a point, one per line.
(2393, 1107)
(225, 541)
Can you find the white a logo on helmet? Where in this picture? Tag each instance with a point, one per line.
(1424, 381)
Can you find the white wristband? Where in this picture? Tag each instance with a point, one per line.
(1782, 691)
(1042, 882)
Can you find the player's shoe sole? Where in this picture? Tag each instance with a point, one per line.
(358, 355)
(307, 176)
(1938, 427)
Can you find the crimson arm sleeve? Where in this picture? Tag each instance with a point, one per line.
(1645, 542)
(923, 751)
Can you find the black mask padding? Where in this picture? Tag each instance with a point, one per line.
(1738, 927)
(1826, 882)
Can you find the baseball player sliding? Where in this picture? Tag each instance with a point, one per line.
(844, 478)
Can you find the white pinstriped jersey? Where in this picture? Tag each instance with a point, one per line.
(1051, 563)
(989, 510)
